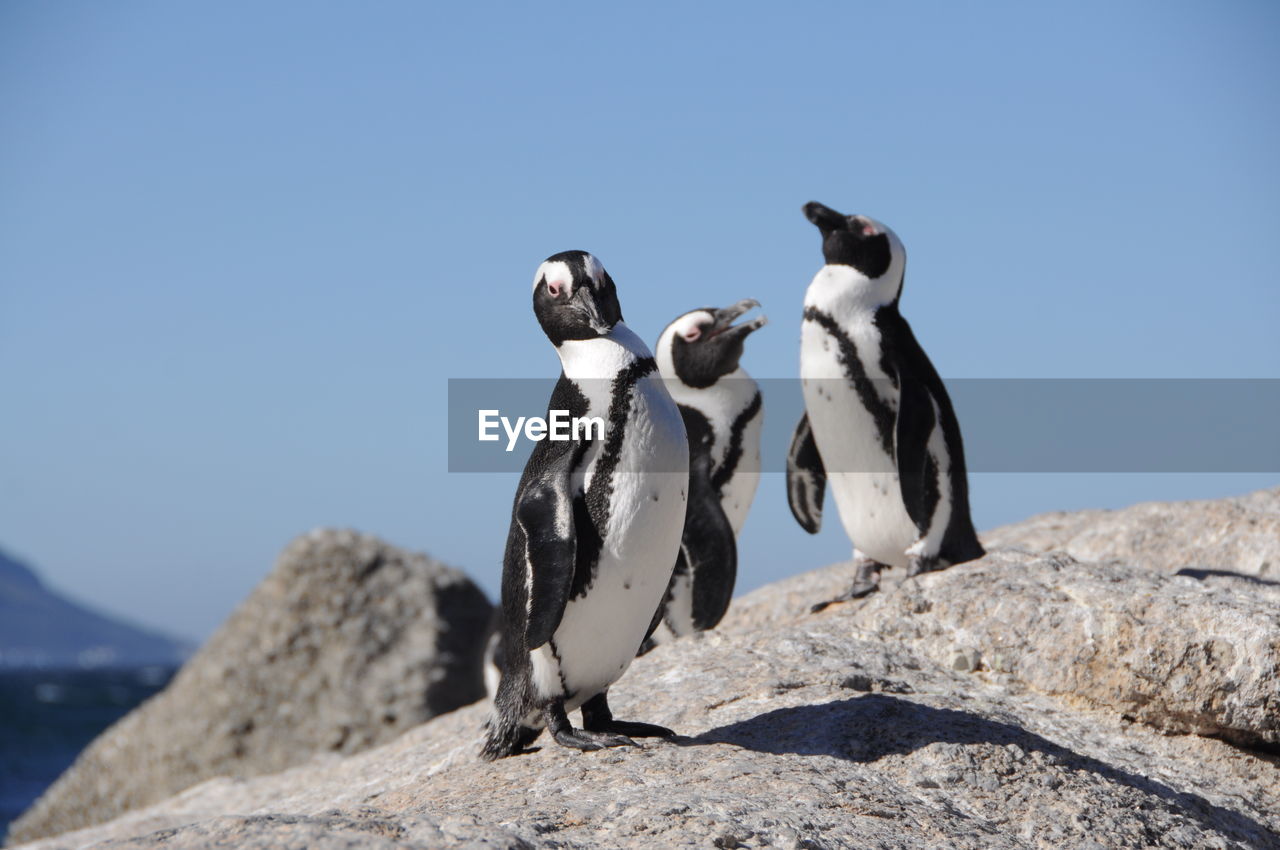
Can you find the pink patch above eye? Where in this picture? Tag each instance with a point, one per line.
(868, 230)
(690, 336)
(554, 288)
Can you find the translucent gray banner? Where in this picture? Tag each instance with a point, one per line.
(1009, 425)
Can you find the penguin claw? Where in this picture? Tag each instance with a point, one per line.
(858, 591)
(638, 730)
(579, 740)
(610, 739)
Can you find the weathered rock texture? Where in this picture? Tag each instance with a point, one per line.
(1164, 650)
(346, 644)
(804, 733)
(1239, 536)
(1167, 650)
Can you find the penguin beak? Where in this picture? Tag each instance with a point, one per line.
(722, 320)
(825, 218)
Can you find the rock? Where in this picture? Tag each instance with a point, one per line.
(1164, 650)
(346, 644)
(1239, 537)
(811, 733)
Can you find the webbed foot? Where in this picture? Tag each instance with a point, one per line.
(597, 717)
(580, 739)
(639, 730)
(866, 580)
(917, 564)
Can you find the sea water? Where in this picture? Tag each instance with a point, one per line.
(48, 716)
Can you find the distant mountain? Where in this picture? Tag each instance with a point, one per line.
(39, 628)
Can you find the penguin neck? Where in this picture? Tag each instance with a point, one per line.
(603, 356)
(847, 294)
(723, 400)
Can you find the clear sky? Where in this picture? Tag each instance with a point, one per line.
(244, 245)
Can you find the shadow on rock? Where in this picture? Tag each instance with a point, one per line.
(868, 728)
(1203, 573)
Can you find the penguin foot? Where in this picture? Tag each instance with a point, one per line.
(917, 564)
(866, 581)
(582, 739)
(596, 717)
(859, 590)
(638, 730)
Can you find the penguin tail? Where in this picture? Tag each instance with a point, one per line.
(504, 737)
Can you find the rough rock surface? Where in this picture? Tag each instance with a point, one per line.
(346, 644)
(1167, 650)
(1224, 542)
(1164, 650)
(804, 734)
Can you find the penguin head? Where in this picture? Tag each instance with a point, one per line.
(574, 297)
(704, 345)
(872, 250)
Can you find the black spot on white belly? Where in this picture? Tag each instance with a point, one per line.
(856, 373)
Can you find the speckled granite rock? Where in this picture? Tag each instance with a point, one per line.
(805, 734)
(1165, 650)
(1239, 536)
(346, 644)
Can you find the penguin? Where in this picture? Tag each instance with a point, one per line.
(878, 424)
(595, 526)
(723, 412)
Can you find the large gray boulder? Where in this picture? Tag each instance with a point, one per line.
(1223, 538)
(801, 731)
(1163, 650)
(345, 645)
(1167, 650)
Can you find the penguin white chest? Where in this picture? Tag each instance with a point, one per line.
(646, 482)
(739, 491)
(849, 419)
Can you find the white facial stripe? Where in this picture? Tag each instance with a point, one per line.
(555, 272)
(896, 250)
(688, 323)
(594, 269)
(667, 341)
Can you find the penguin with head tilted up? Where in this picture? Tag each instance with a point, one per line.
(878, 424)
(698, 356)
(596, 524)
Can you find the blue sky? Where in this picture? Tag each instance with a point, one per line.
(243, 246)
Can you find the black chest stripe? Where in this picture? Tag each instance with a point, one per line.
(733, 454)
(880, 411)
(600, 492)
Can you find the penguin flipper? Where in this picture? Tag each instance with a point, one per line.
(709, 549)
(545, 514)
(806, 478)
(915, 424)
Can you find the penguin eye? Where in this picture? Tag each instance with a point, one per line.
(692, 334)
(553, 288)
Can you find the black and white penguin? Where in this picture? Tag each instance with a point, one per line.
(595, 528)
(698, 356)
(878, 423)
